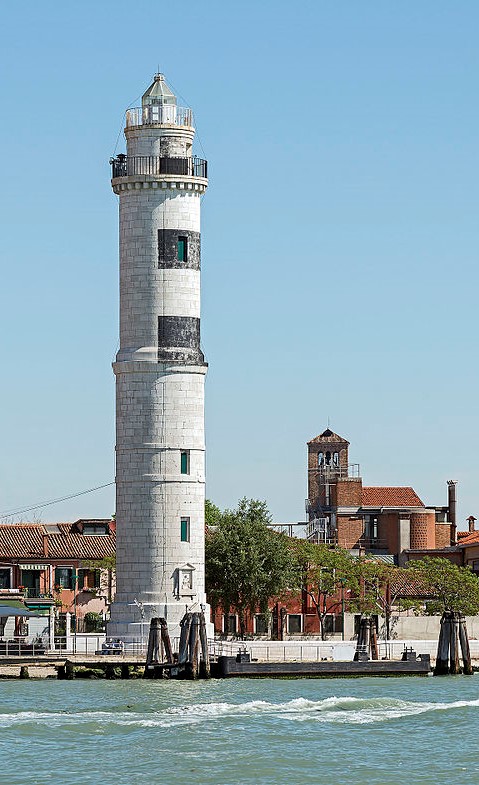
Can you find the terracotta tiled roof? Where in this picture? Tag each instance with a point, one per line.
(328, 436)
(404, 585)
(468, 538)
(25, 540)
(21, 540)
(390, 497)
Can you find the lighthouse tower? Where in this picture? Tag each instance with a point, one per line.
(160, 369)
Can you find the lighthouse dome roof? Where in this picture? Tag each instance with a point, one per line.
(158, 93)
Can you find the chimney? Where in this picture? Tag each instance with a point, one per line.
(451, 505)
(471, 521)
(45, 544)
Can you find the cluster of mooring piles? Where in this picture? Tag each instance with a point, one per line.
(367, 643)
(453, 632)
(192, 660)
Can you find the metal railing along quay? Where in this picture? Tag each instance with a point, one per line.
(156, 165)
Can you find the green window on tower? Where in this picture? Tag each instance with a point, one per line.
(185, 530)
(185, 463)
(182, 249)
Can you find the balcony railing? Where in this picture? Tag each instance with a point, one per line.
(161, 114)
(155, 165)
(31, 593)
(373, 543)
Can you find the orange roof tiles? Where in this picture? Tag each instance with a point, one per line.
(390, 497)
(25, 541)
(468, 538)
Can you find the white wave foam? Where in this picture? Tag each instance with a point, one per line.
(346, 709)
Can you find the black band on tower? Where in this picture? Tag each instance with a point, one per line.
(179, 339)
(179, 248)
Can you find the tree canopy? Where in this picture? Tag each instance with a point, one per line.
(324, 575)
(452, 588)
(247, 563)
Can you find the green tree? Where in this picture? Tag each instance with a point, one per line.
(381, 588)
(212, 513)
(452, 588)
(324, 573)
(247, 563)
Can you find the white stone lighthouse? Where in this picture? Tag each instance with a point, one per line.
(160, 369)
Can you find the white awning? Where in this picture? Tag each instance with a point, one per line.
(33, 566)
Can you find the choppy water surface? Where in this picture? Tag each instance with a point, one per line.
(248, 732)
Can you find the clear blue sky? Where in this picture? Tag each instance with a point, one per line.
(340, 239)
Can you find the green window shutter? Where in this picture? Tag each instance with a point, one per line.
(185, 530)
(184, 463)
(182, 249)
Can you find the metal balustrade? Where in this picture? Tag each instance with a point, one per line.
(156, 165)
(159, 114)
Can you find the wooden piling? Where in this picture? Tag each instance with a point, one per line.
(454, 645)
(185, 625)
(69, 670)
(24, 674)
(465, 650)
(205, 668)
(165, 639)
(153, 653)
(194, 642)
(442, 656)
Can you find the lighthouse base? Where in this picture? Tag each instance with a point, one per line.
(130, 618)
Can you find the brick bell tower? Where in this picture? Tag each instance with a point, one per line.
(332, 482)
(160, 369)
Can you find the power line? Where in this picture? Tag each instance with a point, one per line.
(48, 503)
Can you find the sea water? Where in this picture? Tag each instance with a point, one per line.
(368, 731)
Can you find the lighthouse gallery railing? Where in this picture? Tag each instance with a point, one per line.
(128, 166)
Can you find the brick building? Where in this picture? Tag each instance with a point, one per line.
(381, 520)
(58, 566)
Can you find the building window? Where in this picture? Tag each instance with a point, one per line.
(31, 582)
(95, 528)
(229, 624)
(5, 582)
(185, 530)
(294, 623)
(88, 579)
(333, 623)
(185, 462)
(260, 624)
(371, 527)
(182, 249)
(64, 577)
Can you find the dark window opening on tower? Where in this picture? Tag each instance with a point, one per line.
(185, 530)
(328, 458)
(185, 462)
(182, 249)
